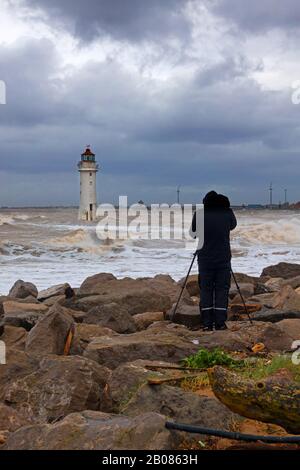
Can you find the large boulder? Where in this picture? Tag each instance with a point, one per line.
(50, 334)
(274, 315)
(143, 320)
(94, 283)
(23, 314)
(11, 419)
(21, 290)
(290, 327)
(164, 341)
(112, 316)
(92, 430)
(54, 291)
(265, 300)
(242, 336)
(60, 386)
(287, 299)
(192, 285)
(180, 406)
(294, 282)
(136, 295)
(188, 315)
(283, 270)
(132, 395)
(125, 380)
(18, 365)
(247, 290)
(85, 333)
(14, 338)
(3, 298)
(274, 284)
(167, 345)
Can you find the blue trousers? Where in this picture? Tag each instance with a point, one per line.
(214, 282)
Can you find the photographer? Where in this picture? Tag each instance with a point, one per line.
(214, 260)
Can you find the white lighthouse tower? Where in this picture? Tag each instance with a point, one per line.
(88, 168)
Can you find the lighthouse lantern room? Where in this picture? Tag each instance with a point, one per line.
(88, 168)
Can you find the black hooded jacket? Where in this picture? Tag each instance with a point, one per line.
(219, 220)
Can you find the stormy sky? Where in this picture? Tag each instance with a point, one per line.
(196, 93)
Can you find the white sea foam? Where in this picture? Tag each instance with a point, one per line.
(49, 246)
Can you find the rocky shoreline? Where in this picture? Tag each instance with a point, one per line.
(79, 361)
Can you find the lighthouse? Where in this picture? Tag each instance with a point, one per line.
(88, 168)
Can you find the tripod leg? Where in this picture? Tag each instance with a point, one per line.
(183, 287)
(241, 295)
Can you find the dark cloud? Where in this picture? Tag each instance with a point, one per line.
(222, 131)
(132, 20)
(215, 127)
(260, 14)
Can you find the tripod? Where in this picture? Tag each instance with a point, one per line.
(173, 314)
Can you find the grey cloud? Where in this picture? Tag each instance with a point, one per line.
(214, 128)
(131, 20)
(260, 14)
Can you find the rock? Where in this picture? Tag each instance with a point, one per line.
(93, 284)
(287, 299)
(273, 316)
(111, 316)
(294, 282)
(283, 270)
(166, 345)
(192, 285)
(275, 399)
(275, 284)
(50, 334)
(126, 380)
(237, 310)
(247, 290)
(136, 295)
(21, 290)
(53, 300)
(180, 406)
(1, 328)
(274, 338)
(266, 300)
(261, 288)
(84, 333)
(11, 419)
(143, 320)
(241, 336)
(131, 395)
(188, 315)
(14, 338)
(290, 327)
(243, 278)
(23, 314)
(18, 364)
(60, 386)
(92, 430)
(53, 291)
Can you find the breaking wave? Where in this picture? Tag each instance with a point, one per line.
(280, 232)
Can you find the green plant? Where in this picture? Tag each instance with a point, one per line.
(262, 368)
(205, 359)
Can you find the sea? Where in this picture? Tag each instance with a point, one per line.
(49, 246)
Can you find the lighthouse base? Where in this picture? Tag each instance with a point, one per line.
(88, 214)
